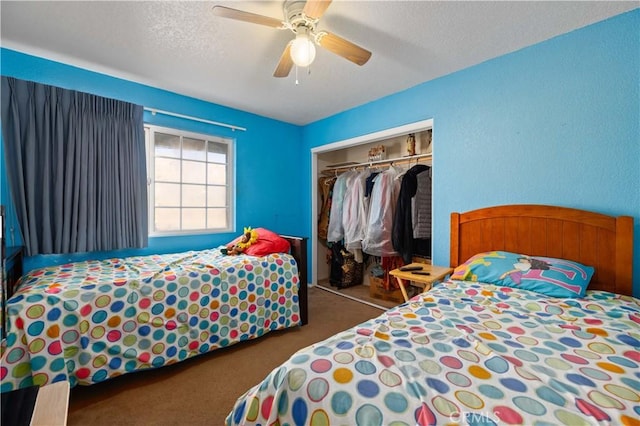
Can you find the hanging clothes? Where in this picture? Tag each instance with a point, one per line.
(402, 233)
(325, 190)
(421, 206)
(369, 183)
(335, 230)
(355, 213)
(421, 215)
(382, 206)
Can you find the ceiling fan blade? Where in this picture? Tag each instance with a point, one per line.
(227, 12)
(285, 64)
(344, 48)
(315, 8)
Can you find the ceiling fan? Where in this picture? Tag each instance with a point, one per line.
(301, 17)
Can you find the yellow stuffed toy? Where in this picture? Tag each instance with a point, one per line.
(249, 237)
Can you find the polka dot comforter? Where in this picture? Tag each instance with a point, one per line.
(86, 322)
(469, 354)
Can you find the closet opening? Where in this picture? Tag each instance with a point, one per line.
(394, 150)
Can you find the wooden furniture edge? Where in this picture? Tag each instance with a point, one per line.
(52, 405)
(624, 255)
(454, 249)
(11, 273)
(543, 211)
(299, 253)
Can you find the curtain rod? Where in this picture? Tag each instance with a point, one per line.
(155, 111)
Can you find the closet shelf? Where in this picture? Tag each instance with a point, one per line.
(341, 168)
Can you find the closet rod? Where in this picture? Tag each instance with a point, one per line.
(155, 111)
(358, 166)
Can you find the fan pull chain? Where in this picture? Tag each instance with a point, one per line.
(308, 73)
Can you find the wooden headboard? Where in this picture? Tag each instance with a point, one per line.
(594, 239)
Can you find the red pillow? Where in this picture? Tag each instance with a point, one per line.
(268, 242)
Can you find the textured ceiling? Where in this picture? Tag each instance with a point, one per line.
(182, 47)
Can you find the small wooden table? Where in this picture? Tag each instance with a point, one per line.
(436, 273)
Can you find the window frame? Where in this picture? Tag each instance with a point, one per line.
(149, 132)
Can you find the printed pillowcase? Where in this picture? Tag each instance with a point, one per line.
(545, 275)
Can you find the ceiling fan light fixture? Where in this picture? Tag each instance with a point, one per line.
(301, 18)
(303, 50)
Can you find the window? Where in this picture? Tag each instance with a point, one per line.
(189, 177)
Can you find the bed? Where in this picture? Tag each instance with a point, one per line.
(483, 353)
(86, 322)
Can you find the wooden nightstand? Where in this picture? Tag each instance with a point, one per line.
(436, 273)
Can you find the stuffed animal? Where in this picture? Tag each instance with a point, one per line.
(238, 246)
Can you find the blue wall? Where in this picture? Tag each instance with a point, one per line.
(555, 123)
(267, 196)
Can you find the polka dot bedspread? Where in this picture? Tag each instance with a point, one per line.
(86, 322)
(465, 353)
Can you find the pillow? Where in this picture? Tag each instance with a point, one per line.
(546, 275)
(268, 242)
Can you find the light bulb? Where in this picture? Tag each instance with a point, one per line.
(303, 51)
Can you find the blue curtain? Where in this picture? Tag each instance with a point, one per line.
(76, 168)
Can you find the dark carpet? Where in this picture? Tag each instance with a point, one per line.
(202, 390)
